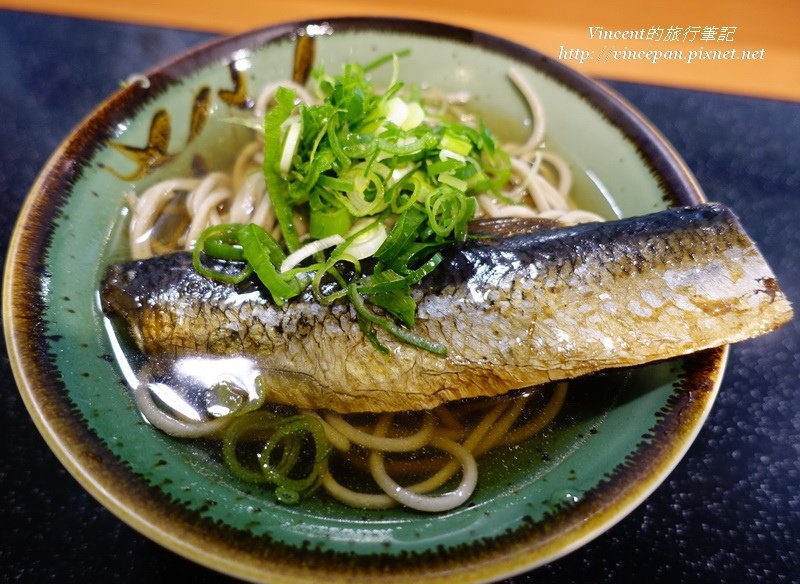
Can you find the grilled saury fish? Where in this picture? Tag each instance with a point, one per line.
(513, 311)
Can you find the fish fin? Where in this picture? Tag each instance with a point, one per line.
(510, 226)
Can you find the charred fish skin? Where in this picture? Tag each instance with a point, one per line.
(513, 311)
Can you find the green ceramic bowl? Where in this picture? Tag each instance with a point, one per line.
(619, 435)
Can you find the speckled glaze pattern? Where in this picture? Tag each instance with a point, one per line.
(558, 494)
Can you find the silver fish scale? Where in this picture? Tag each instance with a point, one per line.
(513, 311)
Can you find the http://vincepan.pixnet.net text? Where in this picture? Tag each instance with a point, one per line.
(686, 44)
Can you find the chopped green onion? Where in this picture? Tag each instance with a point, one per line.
(455, 144)
(448, 179)
(223, 251)
(290, 144)
(413, 254)
(329, 221)
(258, 403)
(414, 117)
(223, 238)
(402, 234)
(336, 184)
(443, 208)
(390, 326)
(253, 423)
(409, 148)
(466, 215)
(398, 303)
(382, 281)
(261, 251)
(395, 110)
(308, 250)
(382, 60)
(369, 333)
(369, 236)
(276, 182)
(285, 443)
(438, 167)
(415, 276)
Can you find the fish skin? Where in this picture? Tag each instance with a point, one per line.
(513, 311)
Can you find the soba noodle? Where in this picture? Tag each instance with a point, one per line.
(430, 448)
(541, 185)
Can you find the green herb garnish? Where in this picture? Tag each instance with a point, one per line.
(277, 463)
(378, 177)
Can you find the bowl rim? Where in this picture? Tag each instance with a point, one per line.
(92, 466)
